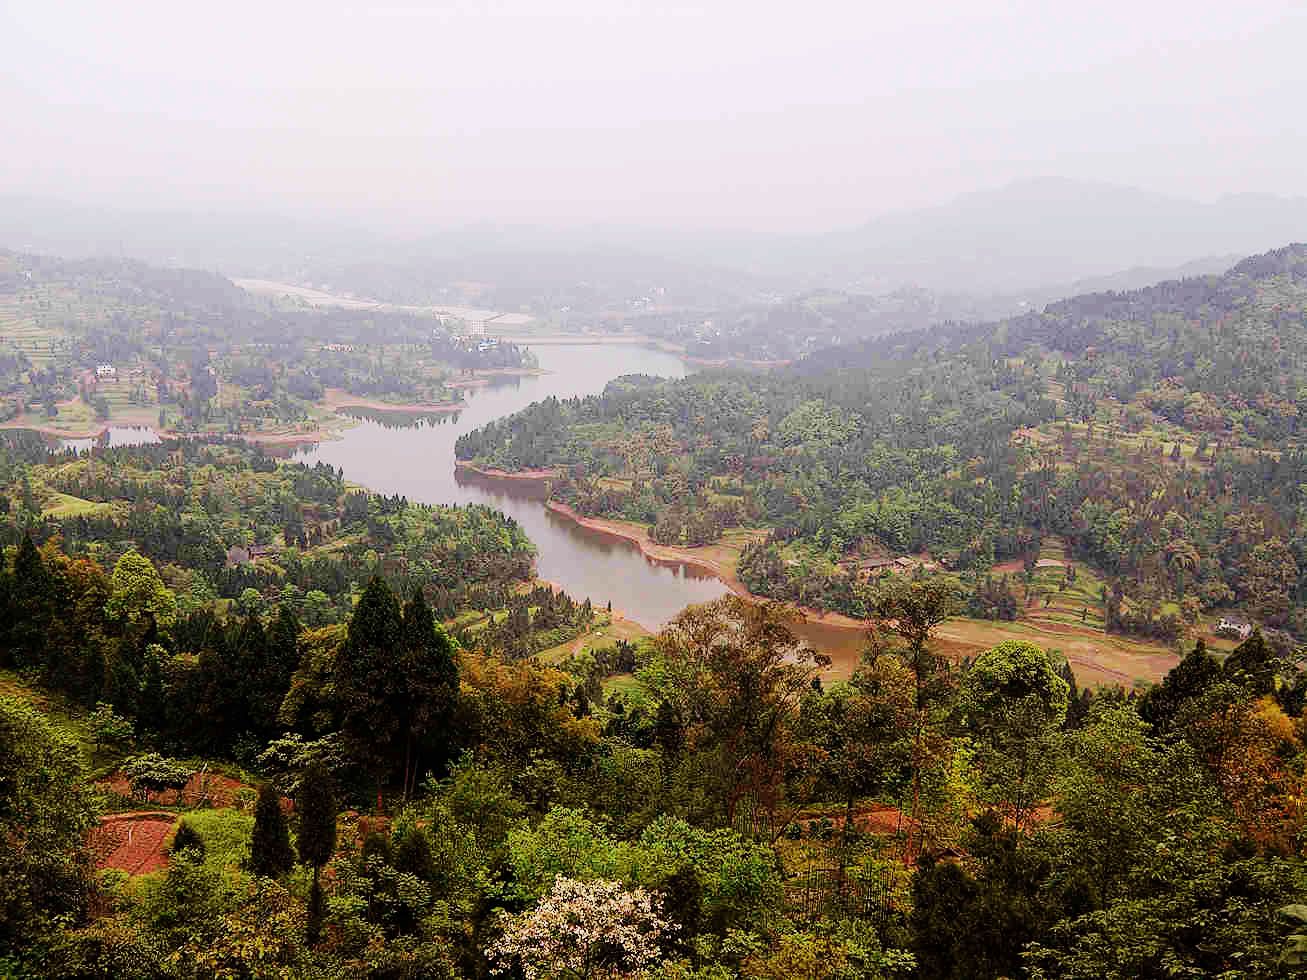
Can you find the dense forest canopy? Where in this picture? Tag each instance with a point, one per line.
(256, 721)
(1156, 432)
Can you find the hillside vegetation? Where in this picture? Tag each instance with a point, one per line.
(1157, 432)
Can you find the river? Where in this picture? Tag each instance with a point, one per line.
(418, 462)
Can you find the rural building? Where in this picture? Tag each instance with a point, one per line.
(243, 555)
(1234, 628)
(104, 371)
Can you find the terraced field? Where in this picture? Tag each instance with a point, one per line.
(26, 327)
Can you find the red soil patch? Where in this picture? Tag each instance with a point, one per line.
(132, 842)
(204, 788)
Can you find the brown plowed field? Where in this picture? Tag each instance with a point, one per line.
(132, 842)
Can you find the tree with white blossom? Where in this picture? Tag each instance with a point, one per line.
(583, 930)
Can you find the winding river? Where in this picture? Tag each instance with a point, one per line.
(418, 462)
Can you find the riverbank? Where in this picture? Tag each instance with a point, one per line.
(1096, 657)
(338, 399)
(20, 423)
(717, 560)
(483, 377)
(736, 362)
(522, 476)
(602, 339)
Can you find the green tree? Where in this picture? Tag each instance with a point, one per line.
(1270, 577)
(30, 609)
(46, 811)
(138, 596)
(368, 685)
(1014, 701)
(153, 773)
(429, 696)
(1253, 665)
(270, 850)
(1189, 679)
(186, 837)
(736, 675)
(856, 733)
(315, 809)
(272, 673)
(107, 727)
(912, 611)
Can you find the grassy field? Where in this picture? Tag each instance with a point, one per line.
(67, 717)
(61, 505)
(605, 633)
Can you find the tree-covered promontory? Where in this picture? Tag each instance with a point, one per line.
(1155, 433)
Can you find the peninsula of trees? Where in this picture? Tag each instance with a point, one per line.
(1156, 434)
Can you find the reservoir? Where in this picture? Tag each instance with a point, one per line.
(417, 461)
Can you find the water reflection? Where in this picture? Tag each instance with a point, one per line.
(395, 419)
(418, 462)
(113, 435)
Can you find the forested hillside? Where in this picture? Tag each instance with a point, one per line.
(425, 810)
(86, 342)
(1156, 432)
(258, 722)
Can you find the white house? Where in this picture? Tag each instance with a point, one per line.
(1234, 628)
(106, 371)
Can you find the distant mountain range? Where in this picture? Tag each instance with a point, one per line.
(1034, 234)
(1031, 241)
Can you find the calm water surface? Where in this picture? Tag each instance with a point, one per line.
(114, 435)
(418, 462)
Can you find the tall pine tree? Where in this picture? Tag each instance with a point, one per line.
(368, 688)
(270, 850)
(30, 609)
(429, 676)
(315, 808)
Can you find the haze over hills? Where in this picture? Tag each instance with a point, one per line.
(1016, 247)
(1047, 232)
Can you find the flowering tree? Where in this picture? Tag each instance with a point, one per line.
(587, 930)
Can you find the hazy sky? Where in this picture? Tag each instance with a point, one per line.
(749, 115)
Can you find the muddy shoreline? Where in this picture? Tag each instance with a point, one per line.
(521, 476)
(671, 554)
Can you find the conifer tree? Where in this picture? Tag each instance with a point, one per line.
(29, 608)
(273, 672)
(1189, 679)
(1253, 665)
(429, 677)
(270, 850)
(368, 686)
(315, 808)
(413, 854)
